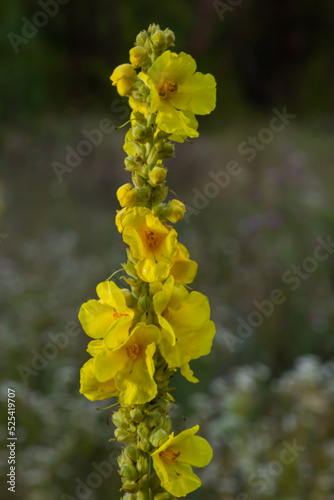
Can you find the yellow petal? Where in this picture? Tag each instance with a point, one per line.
(174, 121)
(91, 388)
(188, 373)
(196, 94)
(107, 364)
(118, 332)
(95, 318)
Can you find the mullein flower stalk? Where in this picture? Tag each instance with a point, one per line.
(144, 332)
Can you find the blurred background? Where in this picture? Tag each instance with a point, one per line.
(262, 232)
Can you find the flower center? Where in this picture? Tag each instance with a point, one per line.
(133, 351)
(150, 239)
(116, 315)
(167, 313)
(169, 456)
(167, 90)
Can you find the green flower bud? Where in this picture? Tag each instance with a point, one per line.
(144, 193)
(136, 415)
(157, 176)
(129, 496)
(124, 436)
(141, 495)
(142, 464)
(158, 437)
(144, 445)
(139, 91)
(166, 151)
(126, 195)
(152, 158)
(129, 472)
(159, 194)
(159, 39)
(175, 211)
(130, 453)
(131, 164)
(131, 486)
(141, 38)
(143, 431)
(141, 133)
(170, 37)
(163, 496)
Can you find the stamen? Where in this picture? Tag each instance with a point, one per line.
(168, 89)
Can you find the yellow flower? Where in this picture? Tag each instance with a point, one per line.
(91, 388)
(186, 329)
(130, 364)
(183, 270)
(110, 313)
(178, 92)
(124, 77)
(127, 195)
(152, 243)
(173, 460)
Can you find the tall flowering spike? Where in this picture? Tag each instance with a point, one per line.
(143, 333)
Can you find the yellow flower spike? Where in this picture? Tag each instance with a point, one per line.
(152, 243)
(186, 329)
(178, 92)
(173, 460)
(91, 388)
(127, 195)
(131, 364)
(110, 312)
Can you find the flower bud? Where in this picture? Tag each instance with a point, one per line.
(131, 453)
(142, 464)
(166, 151)
(123, 71)
(158, 437)
(136, 415)
(130, 163)
(139, 57)
(157, 176)
(124, 436)
(143, 431)
(159, 39)
(163, 496)
(170, 37)
(175, 211)
(129, 472)
(127, 195)
(129, 496)
(140, 133)
(131, 486)
(124, 77)
(141, 38)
